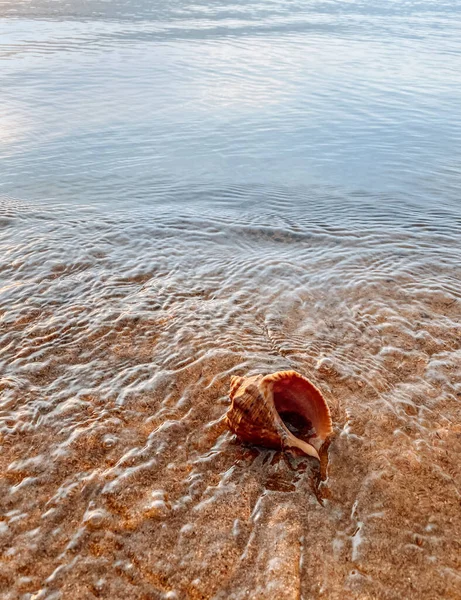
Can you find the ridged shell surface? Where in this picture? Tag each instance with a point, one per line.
(257, 403)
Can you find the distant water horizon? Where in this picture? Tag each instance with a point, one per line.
(107, 100)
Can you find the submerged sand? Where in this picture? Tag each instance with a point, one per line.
(119, 335)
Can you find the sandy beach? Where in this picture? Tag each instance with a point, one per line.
(119, 478)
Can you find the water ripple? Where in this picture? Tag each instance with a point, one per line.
(119, 334)
(218, 189)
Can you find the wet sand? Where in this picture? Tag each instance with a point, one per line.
(119, 335)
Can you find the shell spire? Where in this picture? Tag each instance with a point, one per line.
(258, 404)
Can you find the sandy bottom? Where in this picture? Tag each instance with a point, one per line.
(118, 338)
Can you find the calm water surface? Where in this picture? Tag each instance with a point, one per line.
(194, 191)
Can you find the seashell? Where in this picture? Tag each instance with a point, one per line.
(258, 402)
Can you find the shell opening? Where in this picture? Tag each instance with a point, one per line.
(292, 412)
(296, 423)
(294, 395)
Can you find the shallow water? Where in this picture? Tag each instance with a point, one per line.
(191, 192)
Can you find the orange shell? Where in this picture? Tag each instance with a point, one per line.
(257, 401)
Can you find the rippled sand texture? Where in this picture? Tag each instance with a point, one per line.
(119, 335)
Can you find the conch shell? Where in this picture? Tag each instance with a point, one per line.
(257, 403)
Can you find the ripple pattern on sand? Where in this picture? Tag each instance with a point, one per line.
(118, 336)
